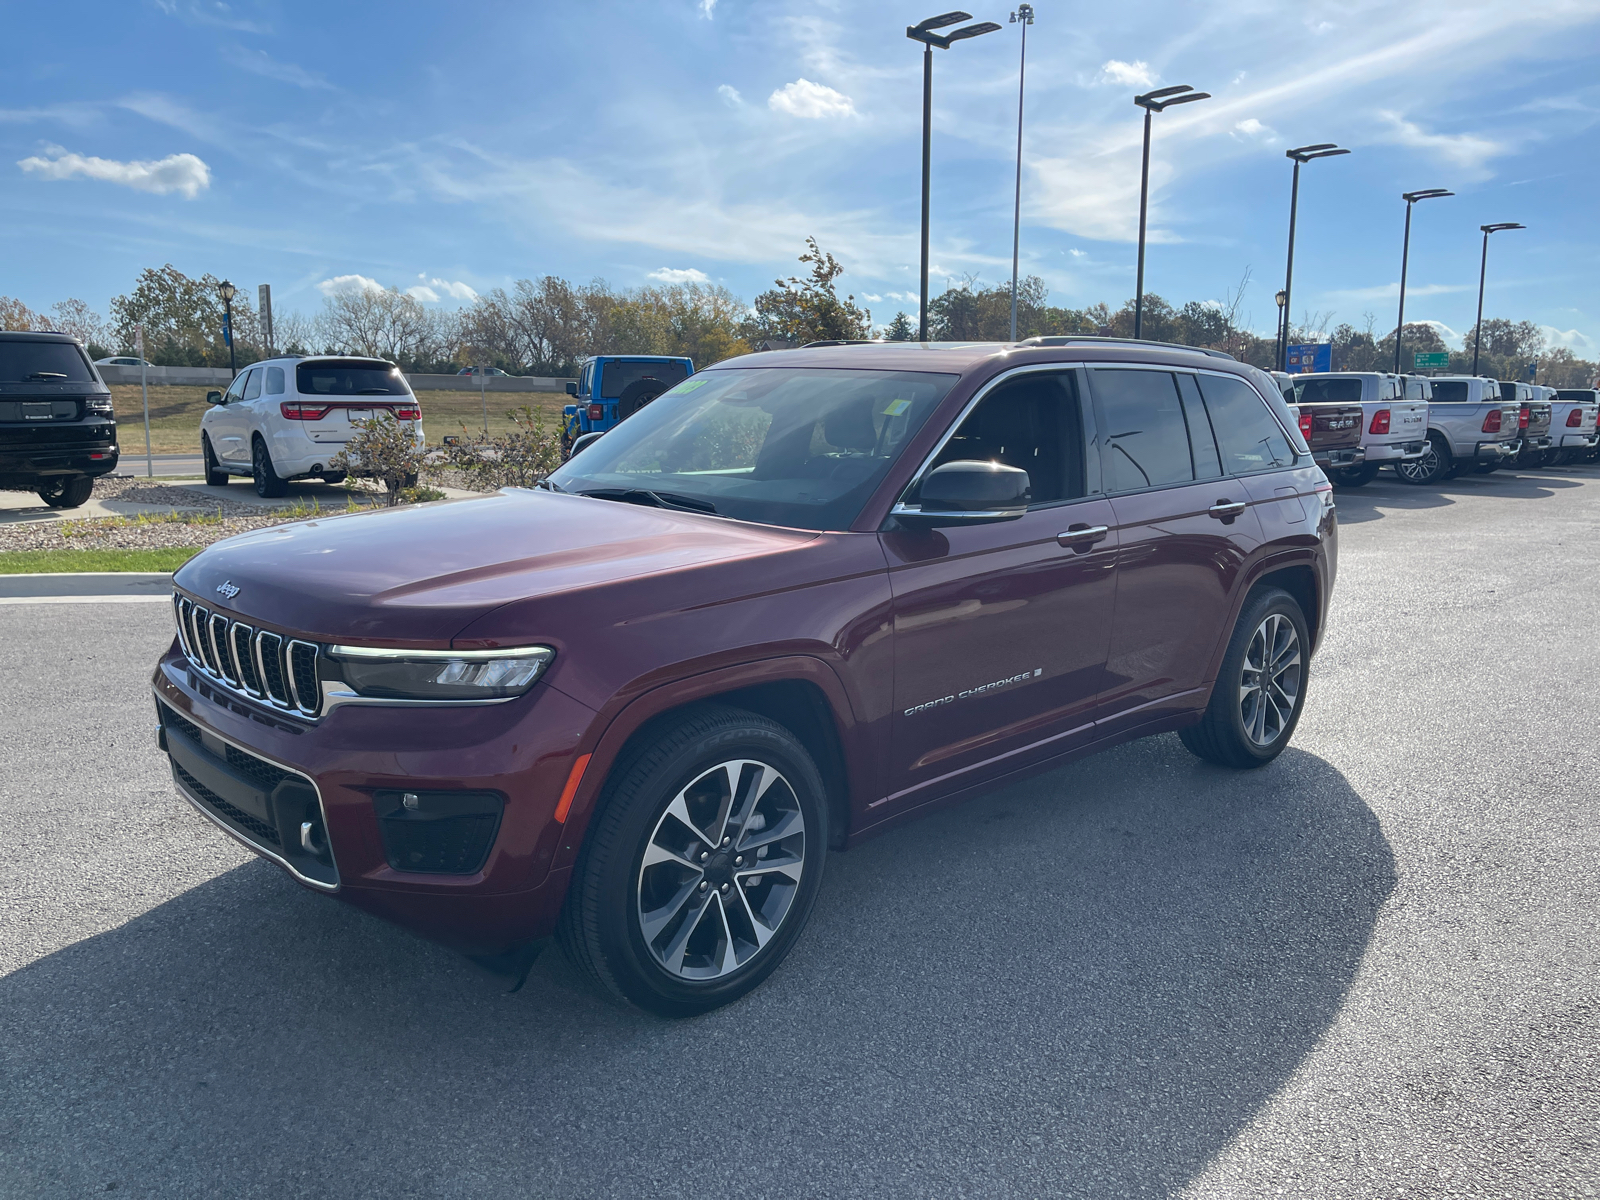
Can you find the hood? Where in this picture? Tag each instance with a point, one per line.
(419, 575)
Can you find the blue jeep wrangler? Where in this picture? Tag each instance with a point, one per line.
(611, 388)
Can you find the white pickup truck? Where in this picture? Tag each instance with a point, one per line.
(1394, 420)
(1469, 425)
(1573, 415)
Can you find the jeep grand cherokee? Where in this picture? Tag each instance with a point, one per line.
(801, 597)
(57, 432)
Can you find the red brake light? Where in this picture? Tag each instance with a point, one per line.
(1575, 418)
(1306, 425)
(1522, 417)
(1491, 422)
(1380, 421)
(293, 410)
(597, 412)
(411, 413)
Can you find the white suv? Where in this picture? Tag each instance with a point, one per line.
(286, 418)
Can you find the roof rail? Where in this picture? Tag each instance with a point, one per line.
(842, 342)
(1074, 338)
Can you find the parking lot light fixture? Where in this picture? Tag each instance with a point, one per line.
(923, 32)
(226, 290)
(1024, 17)
(1405, 254)
(1282, 300)
(1153, 102)
(1301, 155)
(1483, 270)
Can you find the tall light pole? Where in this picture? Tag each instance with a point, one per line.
(924, 32)
(1301, 155)
(1483, 270)
(1024, 17)
(1153, 102)
(226, 291)
(1405, 254)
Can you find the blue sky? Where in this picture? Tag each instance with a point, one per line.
(456, 148)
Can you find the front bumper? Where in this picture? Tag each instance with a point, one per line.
(316, 798)
(1353, 456)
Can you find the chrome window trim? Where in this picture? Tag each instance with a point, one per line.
(264, 851)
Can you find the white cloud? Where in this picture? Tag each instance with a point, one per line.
(259, 62)
(1572, 339)
(730, 95)
(456, 291)
(680, 275)
(870, 298)
(1253, 130)
(707, 8)
(427, 295)
(1134, 74)
(349, 283)
(802, 98)
(1078, 253)
(182, 173)
(1465, 150)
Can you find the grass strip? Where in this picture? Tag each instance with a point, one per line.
(34, 562)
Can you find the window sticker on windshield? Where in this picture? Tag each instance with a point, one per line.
(689, 385)
(896, 407)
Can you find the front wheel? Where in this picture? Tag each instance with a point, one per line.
(1353, 476)
(701, 867)
(215, 475)
(1261, 690)
(1433, 466)
(66, 492)
(268, 484)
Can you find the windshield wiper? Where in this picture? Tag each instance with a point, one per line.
(45, 375)
(653, 499)
(374, 392)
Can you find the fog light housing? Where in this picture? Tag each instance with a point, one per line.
(438, 832)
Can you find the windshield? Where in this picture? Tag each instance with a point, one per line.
(780, 446)
(359, 378)
(42, 362)
(616, 376)
(1327, 391)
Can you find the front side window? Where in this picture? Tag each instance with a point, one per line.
(791, 446)
(1146, 436)
(236, 388)
(1248, 437)
(1032, 422)
(357, 377)
(274, 381)
(252, 386)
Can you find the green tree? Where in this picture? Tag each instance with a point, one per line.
(182, 319)
(901, 329)
(809, 309)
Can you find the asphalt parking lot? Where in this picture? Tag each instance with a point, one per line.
(1369, 969)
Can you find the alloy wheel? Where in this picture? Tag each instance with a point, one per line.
(720, 870)
(1421, 470)
(1269, 687)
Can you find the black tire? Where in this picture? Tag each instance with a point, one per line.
(268, 485)
(334, 476)
(1436, 464)
(66, 491)
(1349, 477)
(215, 475)
(409, 481)
(1222, 736)
(603, 926)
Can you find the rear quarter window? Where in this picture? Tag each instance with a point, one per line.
(274, 381)
(1248, 437)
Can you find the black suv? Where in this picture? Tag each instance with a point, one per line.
(56, 428)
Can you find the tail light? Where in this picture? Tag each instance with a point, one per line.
(1522, 417)
(413, 413)
(1575, 418)
(597, 412)
(1491, 422)
(293, 410)
(1307, 423)
(1380, 421)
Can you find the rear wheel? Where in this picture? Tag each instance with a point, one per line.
(215, 475)
(1261, 690)
(268, 485)
(1433, 466)
(699, 871)
(64, 491)
(1354, 476)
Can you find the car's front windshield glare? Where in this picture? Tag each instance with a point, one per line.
(796, 446)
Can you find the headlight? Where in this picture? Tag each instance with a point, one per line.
(440, 674)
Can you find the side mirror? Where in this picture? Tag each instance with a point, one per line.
(213, 397)
(572, 387)
(969, 492)
(586, 441)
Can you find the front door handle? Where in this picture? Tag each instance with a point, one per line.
(1226, 510)
(1082, 537)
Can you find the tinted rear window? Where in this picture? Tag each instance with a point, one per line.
(1581, 396)
(1450, 391)
(1327, 391)
(43, 362)
(615, 376)
(349, 379)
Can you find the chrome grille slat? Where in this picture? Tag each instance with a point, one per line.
(265, 666)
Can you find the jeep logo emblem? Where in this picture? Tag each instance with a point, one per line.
(228, 588)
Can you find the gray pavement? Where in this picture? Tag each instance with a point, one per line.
(86, 587)
(1366, 970)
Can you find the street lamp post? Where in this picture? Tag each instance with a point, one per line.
(1483, 270)
(1282, 300)
(924, 32)
(1301, 155)
(1024, 17)
(1153, 102)
(1405, 255)
(226, 291)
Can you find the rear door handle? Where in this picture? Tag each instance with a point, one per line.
(1227, 510)
(1083, 537)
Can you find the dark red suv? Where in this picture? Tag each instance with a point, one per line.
(801, 597)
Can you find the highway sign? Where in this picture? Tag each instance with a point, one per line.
(1431, 360)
